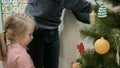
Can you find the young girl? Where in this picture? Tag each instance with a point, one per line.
(18, 30)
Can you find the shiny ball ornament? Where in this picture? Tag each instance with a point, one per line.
(102, 46)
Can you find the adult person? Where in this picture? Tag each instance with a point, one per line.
(44, 48)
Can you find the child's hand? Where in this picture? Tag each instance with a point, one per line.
(115, 9)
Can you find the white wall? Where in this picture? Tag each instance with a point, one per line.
(69, 38)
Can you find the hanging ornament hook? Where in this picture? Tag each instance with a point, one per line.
(96, 1)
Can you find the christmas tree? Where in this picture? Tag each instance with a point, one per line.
(105, 31)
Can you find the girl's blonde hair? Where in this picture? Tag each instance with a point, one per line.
(15, 25)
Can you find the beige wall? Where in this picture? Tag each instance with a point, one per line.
(69, 38)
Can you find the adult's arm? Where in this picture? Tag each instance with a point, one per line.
(80, 8)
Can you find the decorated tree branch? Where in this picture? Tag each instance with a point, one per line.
(105, 31)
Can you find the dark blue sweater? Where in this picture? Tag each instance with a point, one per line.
(47, 13)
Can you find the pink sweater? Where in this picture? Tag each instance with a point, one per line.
(17, 57)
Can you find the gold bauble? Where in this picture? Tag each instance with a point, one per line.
(102, 46)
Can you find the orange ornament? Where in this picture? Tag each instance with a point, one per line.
(102, 46)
